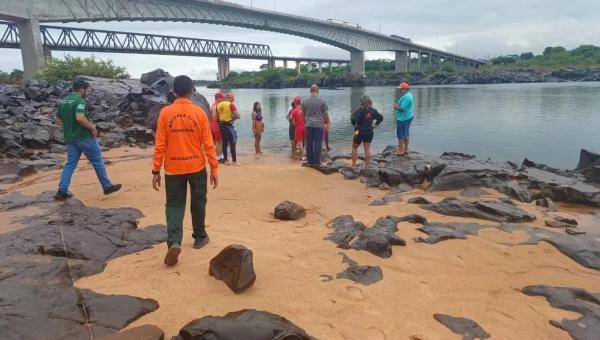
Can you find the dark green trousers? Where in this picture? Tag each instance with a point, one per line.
(176, 189)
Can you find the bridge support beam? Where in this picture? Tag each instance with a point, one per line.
(430, 62)
(32, 48)
(357, 63)
(271, 64)
(285, 64)
(298, 69)
(223, 64)
(419, 63)
(330, 67)
(402, 60)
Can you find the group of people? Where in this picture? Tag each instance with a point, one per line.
(189, 140)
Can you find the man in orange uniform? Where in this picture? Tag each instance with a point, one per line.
(184, 143)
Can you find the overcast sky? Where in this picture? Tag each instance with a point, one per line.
(474, 28)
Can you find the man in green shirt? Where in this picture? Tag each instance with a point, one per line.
(80, 137)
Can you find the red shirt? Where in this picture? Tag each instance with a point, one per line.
(298, 117)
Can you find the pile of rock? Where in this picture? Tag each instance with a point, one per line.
(124, 111)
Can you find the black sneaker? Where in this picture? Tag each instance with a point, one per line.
(62, 196)
(113, 189)
(199, 243)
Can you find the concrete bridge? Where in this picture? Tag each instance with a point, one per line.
(28, 14)
(60, 38)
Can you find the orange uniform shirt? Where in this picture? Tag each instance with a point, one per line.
(183, 140)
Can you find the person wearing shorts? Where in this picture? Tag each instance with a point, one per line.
(214, 126)
(404, 117)
(297, 121)
(291, 129)
(362, 120)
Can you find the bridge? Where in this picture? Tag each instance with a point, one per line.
(28, 14)
(59, 38)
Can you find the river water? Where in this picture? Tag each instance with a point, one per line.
(547, 123)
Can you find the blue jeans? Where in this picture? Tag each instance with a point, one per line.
(90, 148)
(314, 140)
(403, 129)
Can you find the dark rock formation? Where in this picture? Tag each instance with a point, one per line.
(547, 203)
(437, 232)
(246, 324)
(378, 239)
(561, 222)
(469, 329)
(147, 332)
(365, 275)
(474, 192)
(419, 200)
(349, 173)
(390, 198)
(589, 165)
(573, 300)
(487, 210)
(35, 285)
(234, 266)
(289, 211)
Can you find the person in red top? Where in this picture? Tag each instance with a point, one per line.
(299, 129)
(184, 145)
(214, 125)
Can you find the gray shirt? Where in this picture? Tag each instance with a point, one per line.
(314, 108)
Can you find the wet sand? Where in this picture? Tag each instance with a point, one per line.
(478, 278)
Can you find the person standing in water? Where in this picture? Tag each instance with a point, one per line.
(316, 115)
(184, 145)
(80, 136)
(362, 120)
(228, 113)
(258, 126)
(214, 126)
(291, 129)
(297, 121)
(404, 117)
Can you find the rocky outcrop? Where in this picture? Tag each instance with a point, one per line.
(469, 329)
(248, 324)
(486, 210)
(146, 332)
(234, 265)
(365, 275)
(572, 300)
(35, 276)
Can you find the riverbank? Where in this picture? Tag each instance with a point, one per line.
(498, 76)
(481, 277)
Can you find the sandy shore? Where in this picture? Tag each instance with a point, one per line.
(478, 278)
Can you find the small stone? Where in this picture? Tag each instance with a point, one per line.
(547, 203)
(403, 187)
(234, 265)
(469, 329)
(365, 275)
(419, 200)
(574, 232)
(378, 203)
(384, 186)
(392, 198)
(288, 210)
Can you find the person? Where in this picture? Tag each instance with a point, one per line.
(228, 113)
(183, 145)
(258, 126)
(292, 131)
(325, 147)
(404, 116)
(297, 121)
(316, 115)
(214, 126)
(80, 136)
(362, 120)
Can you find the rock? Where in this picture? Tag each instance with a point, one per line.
(146, 332)
(438, 232)
(487, 210)
(474, 192)
(140, 134)
(574, 232)
(349, 174)
(248, 324)
(469, 329)
(234, 266)
(547, 203)
(572, 300)
(345, 229)
(332, 167)
(157, 75)
(10, 179)
(33, 286)
(419, 200)
(561, 222)
(384, 186)
(379, 239)
(289, 211)
(365, 275)
(403, 187)
(587, 159)
(378, 203)
(36, 138)
(392, 198)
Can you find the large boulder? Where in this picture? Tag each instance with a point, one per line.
(234, 265)
(246, 324)
(36, 138)
(157, 75)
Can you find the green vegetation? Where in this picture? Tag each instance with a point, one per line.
(14, 77)
(552, 58)
(70, 68)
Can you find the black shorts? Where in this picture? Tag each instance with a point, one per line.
(292, 131)
(363, 137)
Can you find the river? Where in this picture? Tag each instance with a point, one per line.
(547, 123)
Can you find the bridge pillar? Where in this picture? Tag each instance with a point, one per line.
(285, 64)
(298, 69)
(402, 59)
(271, 64)
(357, 63)
(430, 62)
(223, 64)
(330, 67)
(419, 64)
(32, 47)
(47, 54)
